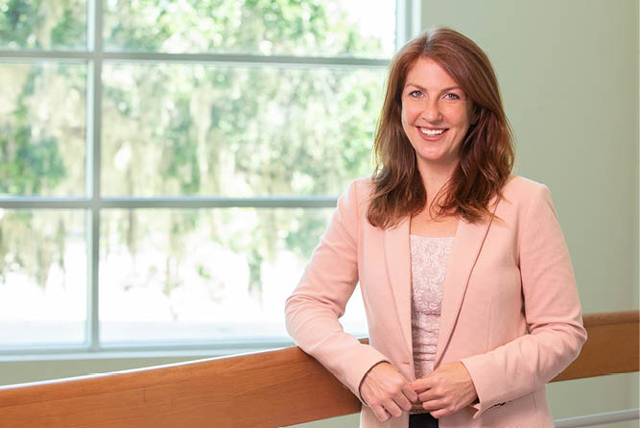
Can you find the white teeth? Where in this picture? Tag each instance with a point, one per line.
(431, 131)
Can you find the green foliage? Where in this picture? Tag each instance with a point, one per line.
(69, 28)
(179, 156)
(33, 242)
(17, 21)
(264, 26)
(304, 238)
(43, 24)
(174, 129)
(28, 165)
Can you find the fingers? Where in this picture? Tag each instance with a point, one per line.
(438, 402)
(430, 394)
(392, 404)
(422, 384)
(439, 408)
(448, 389)
(380, 413)
(442, 412)
(392, 408)
(435, 405)
(409, 392)
(402, 402)
(387, 392)
(389, 408)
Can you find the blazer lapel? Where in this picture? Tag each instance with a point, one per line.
(466, 249)
(398, 258)
(467, 245)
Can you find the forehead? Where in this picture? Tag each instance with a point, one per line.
(427, 73)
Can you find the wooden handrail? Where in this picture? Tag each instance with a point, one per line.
(267, 389)
(611, 347)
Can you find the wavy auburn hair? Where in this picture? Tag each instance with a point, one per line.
(486, 152)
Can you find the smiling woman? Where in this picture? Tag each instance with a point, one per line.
(466, 279)
(436, 114)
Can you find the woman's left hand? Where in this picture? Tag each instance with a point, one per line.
(446, 390)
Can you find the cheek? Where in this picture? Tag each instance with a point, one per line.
(466, 118)
(458, 116)
(407, 115)
(403, 119)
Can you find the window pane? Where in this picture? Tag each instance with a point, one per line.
(42, 128)
(175, 129)
(206, 274)
(43, 277)
(43, 24)
(289, 27)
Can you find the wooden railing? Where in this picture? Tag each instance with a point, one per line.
(267, 389)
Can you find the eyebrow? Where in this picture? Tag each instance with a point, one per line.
(450, 88)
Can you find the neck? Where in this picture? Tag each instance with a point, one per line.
(434, 177)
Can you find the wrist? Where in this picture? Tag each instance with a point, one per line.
(362, 381)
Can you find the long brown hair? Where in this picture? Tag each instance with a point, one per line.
(486, 152)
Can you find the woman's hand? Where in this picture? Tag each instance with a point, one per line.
(387, 391)
(446, 390)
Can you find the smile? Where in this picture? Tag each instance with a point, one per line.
(426, 132)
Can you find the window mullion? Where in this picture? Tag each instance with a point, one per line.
(408, 21)
(94, 126)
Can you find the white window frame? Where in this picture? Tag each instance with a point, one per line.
(408, 23)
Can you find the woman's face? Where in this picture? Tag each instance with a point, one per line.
(436, 114)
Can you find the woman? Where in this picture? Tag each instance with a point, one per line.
(467, 284)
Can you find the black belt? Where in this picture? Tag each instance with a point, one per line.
(422, 420)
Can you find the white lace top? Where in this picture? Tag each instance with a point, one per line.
(429, 257)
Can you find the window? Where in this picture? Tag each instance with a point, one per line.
(167, 166)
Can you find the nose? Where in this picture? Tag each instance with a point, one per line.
(430, 111)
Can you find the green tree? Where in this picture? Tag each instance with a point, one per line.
(38, 24)
(175, 129)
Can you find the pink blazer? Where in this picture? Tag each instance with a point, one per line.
(510, 311)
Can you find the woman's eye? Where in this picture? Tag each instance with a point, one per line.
(415, 94)
(452, 96)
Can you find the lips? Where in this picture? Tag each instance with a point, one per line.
(431, 133)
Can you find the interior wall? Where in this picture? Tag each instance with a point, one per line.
(636, 297)
(569, 75)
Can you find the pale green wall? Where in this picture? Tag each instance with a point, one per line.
(569, 75)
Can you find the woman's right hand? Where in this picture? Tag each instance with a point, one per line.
(387, 391)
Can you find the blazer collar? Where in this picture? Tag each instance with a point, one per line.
(467, 245)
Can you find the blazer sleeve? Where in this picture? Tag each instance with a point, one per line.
(551, 309)
(312, 311)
